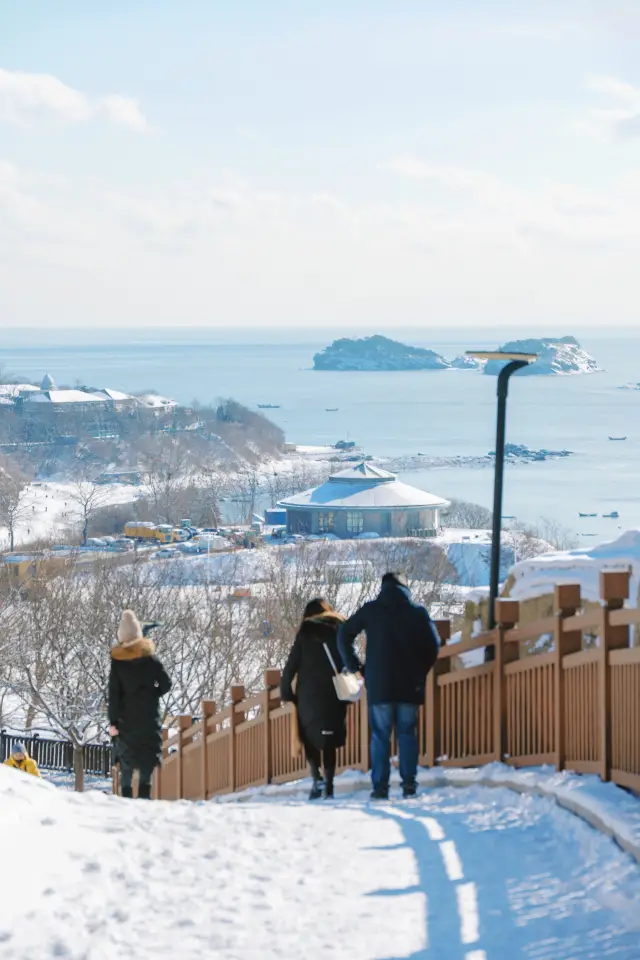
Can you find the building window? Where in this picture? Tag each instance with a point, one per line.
(325, 522)
(355, 521)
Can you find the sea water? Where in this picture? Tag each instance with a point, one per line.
(391, 414)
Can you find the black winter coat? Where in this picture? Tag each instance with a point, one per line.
(402, 646)
(136, 682)
(321, 716)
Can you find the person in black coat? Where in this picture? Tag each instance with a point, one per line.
(402, 646)
(136, 682)
(321, 716)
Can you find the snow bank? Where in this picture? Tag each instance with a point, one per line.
(475, 874)
(537, 577)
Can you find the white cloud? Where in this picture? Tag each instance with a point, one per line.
(28, 97)
(256, 257)
(621, 116)
(123, 111)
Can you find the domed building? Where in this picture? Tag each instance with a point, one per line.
(364, 500)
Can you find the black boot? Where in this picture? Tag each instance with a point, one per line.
(318, 783)
(144, 791)
(126, 793)
(316, 790)
(329, 774)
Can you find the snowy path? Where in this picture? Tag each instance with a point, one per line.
(459, 874)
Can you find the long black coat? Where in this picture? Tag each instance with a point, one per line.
(402, 646)
(136, 682)
(321, 716)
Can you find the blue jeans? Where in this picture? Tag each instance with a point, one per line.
(383, 718)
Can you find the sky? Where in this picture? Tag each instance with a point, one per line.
(373, 163)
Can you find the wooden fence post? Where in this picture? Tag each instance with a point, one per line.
(159, 770)
(208, 710)
(183, 724)
(614, 590)
(272, 678)
(507, 615)
(432, 697)
(237, 696)
(567, 603)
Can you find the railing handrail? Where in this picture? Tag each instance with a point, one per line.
(566, 705)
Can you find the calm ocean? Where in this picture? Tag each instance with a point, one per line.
(390, 414)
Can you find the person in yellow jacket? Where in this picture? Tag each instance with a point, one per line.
(20, 760)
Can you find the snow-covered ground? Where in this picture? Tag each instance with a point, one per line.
(50, 511)
(537, 577)
(477, 873)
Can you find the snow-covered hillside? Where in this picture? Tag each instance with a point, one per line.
(465, 874)
(50, 510)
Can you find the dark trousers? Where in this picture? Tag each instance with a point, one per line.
(126, 774)
(321, 758)
(384, 717)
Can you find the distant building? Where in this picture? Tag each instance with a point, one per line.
(115, 398)
(364, 500)
(65, 399)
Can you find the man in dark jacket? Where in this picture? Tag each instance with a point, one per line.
(136, 682)
(402, 646)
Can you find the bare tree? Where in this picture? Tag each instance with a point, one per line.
(88, 497)
(166, 474)
(13, 509)
(245, 488)
(469, 516)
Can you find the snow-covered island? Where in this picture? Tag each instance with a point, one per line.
(377, 353)
(559, 356)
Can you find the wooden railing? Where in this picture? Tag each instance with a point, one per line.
(577, 707)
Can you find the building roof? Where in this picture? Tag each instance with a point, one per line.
(15, 389)
(362, 471)
(108, 394)
(65, 396)
(364, 487)
(47, 382)
(156, 402)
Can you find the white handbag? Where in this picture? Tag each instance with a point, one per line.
(348, 685)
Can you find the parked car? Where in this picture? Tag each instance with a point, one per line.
(189, 548)
(293, 538)
(95, 542)
(167, 553)
(122, 546)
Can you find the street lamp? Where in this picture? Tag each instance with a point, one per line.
(513, 362)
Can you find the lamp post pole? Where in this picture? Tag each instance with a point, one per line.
(494, 581)
(512, 362)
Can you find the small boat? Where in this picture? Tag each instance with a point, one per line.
(268, 406)
(332, 409)
(614, 515)
(587, 514)
(617, 438)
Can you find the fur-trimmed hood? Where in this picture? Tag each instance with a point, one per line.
(331, 617)
(144, 647)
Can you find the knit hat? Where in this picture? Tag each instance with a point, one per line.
(130, 629)
(18, 747)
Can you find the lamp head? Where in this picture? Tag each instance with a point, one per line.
(499, 355)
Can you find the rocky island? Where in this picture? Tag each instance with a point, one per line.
(557, 356)
(377, 353)
(560, 356)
